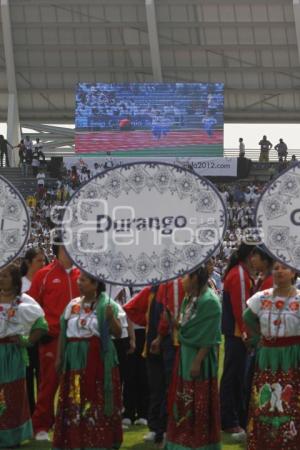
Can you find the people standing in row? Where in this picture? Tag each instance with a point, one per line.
(53, 286)
(89, 405)
(22, 323)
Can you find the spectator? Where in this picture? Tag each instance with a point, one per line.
(28, 143)
(38, 146)
(265, 147)
(35, 162)
(282, 164)
(3, 151)
(241, 148)
(28, 158)
(22, 156)
(40, 177)
(281, 149)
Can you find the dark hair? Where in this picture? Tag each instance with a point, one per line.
(202, 276)
(263, 255)
(28, 258)
(16, 277)
(100, 285)
(56, 242)
(239, 255)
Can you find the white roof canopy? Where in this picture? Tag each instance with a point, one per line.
(251, 46)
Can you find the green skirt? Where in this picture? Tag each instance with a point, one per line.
(15, 422)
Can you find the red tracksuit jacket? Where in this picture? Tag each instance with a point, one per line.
(53, 288)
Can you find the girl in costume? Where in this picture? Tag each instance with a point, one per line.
(194, 413)
(274, 315)
(89, 406)
(34, 260)
(22, 323)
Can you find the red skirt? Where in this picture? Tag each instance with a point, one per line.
(274, 416)
(194, 413)
(80, 421)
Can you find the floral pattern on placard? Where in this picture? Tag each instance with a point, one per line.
(276, 216)
(143, 262)
(14, 223)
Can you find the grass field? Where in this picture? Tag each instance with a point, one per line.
(133, 440)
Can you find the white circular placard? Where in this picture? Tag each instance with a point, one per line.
(143, 223)
(278, 217)
(14, 223)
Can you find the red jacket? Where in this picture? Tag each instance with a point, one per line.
(238, 286)
(171, 295)
(53, 288)
(137, 308)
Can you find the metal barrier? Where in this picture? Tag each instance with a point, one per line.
(250, 153)
(253, 154)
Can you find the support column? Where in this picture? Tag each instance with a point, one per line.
(153, 40)
(296, 4)
(13, 121)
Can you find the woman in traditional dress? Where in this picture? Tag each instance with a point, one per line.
(274, 314)
(33, 261)
(89, 406)
(21, 324)
(194, 413)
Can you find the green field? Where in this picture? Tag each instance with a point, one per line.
(133, 440)
(195, 151)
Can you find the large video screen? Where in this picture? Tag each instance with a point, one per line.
(150, 119)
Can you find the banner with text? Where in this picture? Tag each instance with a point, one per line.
(211, 167)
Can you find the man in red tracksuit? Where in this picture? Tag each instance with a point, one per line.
(53, 287)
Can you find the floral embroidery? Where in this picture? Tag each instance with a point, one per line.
(279, 304)
(266, 304)
(294, 306)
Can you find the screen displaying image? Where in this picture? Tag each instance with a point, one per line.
(150, 119)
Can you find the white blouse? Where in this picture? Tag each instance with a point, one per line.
(82, 322)
(26, 283)
(278, 316)
(18, 317)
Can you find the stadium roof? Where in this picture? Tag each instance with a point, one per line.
(252, 46)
